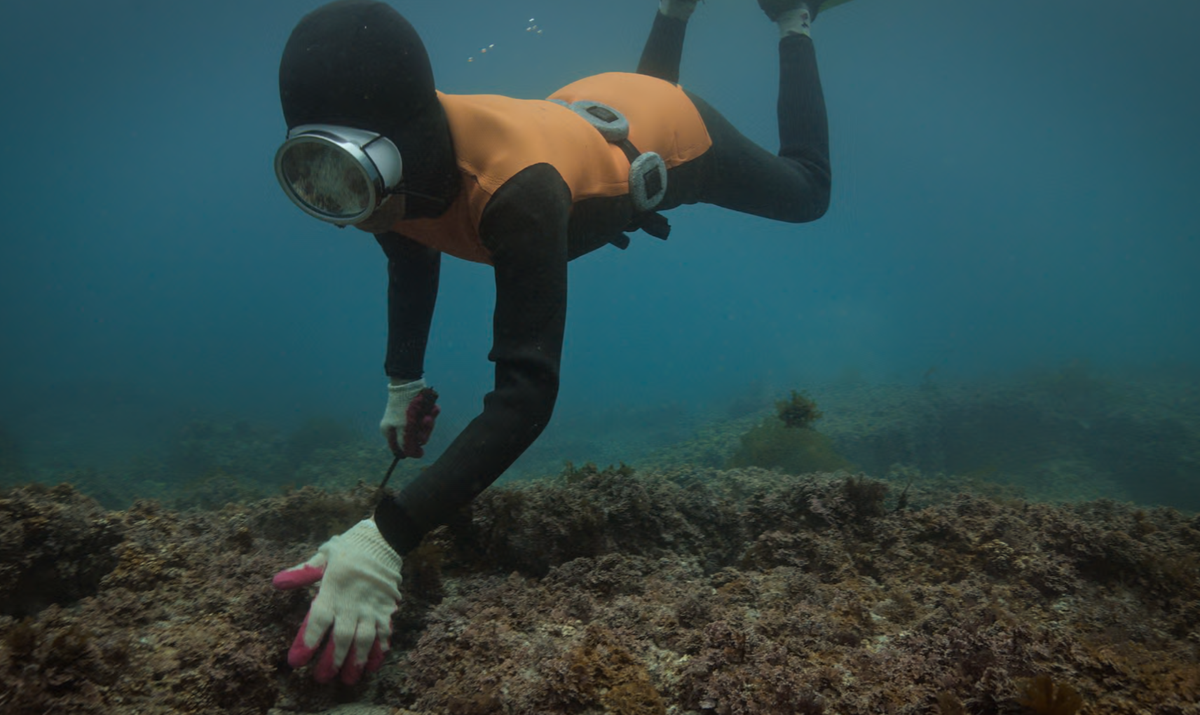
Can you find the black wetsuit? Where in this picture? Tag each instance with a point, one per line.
(533, 230)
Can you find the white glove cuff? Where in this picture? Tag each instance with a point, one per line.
(408, 389)
(795, 22)
(400, 395)
(365, 538)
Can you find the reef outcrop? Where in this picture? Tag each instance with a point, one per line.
(608, 590)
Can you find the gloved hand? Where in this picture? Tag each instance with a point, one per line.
(360, 590)
(409, 417)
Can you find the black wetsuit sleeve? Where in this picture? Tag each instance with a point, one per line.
(412, 291)
(525, 228)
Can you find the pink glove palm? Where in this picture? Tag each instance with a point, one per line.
(421, 415)
(409, 418)
(360, 578)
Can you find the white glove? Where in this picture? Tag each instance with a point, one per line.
(360, 590)
(407, 426)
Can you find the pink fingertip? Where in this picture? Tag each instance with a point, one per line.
(351, 671)
(299, 654)
(414, 408)
(375, 659)
(297, 577)
(326, 669)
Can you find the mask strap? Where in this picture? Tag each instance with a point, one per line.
(402, 189)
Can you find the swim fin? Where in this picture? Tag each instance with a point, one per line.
(775, 8)
(823, 5)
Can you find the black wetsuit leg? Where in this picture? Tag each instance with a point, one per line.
(793, 186)
(664, 48)
(736, 173)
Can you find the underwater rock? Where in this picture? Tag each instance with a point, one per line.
(55, 547)
(612, 591)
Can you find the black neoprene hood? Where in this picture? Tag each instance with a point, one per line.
(359, 63)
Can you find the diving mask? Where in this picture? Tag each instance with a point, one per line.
(338, 174)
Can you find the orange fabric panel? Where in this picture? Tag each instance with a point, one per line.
(661, 117)
(455, 232)
(497, 137)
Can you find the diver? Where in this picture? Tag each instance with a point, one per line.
(523, 186)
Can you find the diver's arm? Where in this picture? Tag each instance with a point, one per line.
(525, 228)
(412, 291)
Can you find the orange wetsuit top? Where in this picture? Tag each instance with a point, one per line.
(497, 137)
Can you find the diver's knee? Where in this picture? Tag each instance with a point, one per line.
(820, 204)
(809, 207)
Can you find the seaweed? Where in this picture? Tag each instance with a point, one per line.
(799, 412)
(789, 442)
(602, 670)
(1045, 697)
(865, 496)
(22, 638)
(772, 445)
(949, 704)
(810, 704)
(423, 575)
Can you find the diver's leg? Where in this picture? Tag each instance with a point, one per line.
(793, 186)
(664, 47)
(803, 122)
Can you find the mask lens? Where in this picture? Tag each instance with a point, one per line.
(326, 179)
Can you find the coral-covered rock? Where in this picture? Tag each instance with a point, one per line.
(55, 547)
(609, 591)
